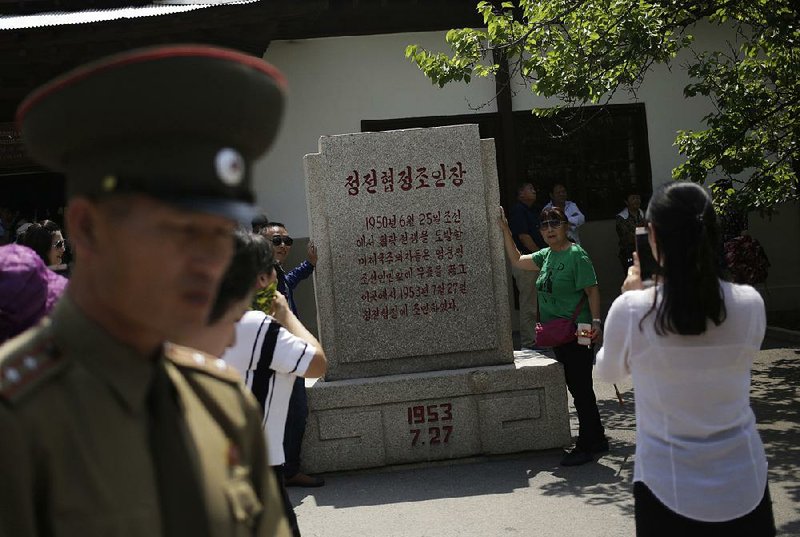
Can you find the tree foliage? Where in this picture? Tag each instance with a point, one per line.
(585, 51)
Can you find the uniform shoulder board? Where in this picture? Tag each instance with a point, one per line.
(188, 358)
(25, 368)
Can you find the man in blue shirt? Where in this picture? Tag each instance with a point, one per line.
(524, 224)
(298, 404)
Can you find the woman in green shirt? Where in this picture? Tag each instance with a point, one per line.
(566, 274)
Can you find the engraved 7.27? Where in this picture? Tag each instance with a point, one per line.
(436, 434)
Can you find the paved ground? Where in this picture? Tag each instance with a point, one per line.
(530, 494)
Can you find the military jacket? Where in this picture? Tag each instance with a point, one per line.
(74, 452)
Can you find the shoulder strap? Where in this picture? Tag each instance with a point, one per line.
(192, 364)
(578, 308)
(21, 373)
(235, 433)
(188, 358)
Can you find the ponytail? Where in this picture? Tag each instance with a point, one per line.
(686, 234)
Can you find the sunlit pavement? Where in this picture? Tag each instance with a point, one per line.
(530, 494)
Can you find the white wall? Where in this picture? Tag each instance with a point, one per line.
(780, 237)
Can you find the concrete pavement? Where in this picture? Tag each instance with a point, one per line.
(530, 494)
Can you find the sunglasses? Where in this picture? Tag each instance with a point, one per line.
(552, 224)
(278, 239)
(59, 244)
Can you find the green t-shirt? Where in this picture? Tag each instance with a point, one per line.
(562, 279)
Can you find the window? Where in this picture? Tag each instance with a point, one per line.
(598, 154)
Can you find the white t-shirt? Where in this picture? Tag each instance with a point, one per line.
(697, 448)
(269, 358)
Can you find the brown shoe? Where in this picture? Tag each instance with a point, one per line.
(302, 480)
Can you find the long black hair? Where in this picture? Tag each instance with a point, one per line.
(686, 234)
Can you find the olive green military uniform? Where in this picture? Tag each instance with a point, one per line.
(74, 454)
(95, 439)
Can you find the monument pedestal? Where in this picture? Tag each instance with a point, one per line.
(412, 307)
(436, 415)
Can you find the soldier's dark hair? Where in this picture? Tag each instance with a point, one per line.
(685, 229)
(252, 256)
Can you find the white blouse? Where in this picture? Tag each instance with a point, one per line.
(697, 448)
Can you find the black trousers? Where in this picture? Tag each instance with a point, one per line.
(287, 503)
(295, 428)
(654, 519)
(577, 361)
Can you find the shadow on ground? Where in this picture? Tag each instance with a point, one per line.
(775, 401)
(607, 481)
(598, 483)
(448, 480)
(776, 404)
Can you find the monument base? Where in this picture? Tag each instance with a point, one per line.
(436, 415)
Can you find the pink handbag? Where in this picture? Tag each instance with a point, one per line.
(558, 331)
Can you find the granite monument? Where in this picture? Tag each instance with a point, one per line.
(412, 306)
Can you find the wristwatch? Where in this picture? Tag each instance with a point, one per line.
(598, 321)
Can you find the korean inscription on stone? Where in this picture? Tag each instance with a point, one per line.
(407, 225)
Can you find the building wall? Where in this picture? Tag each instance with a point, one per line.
(780, 237)
(335, 83)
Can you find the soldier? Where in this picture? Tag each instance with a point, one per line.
(104, 433)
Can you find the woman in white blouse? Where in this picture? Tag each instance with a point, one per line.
(689, 343)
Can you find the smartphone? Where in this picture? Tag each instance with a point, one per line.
(584, 330)
(647, 262)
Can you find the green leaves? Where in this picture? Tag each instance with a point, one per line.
(752, 135)
(584, 51)
(579, 52)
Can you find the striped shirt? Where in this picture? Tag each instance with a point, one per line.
(269, 359)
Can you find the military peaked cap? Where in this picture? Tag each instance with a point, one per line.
(179, 123)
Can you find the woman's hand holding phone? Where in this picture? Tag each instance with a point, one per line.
(589, 334)
(648, 267)
(633, 281)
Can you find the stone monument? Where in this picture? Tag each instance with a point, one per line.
(412, 306)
